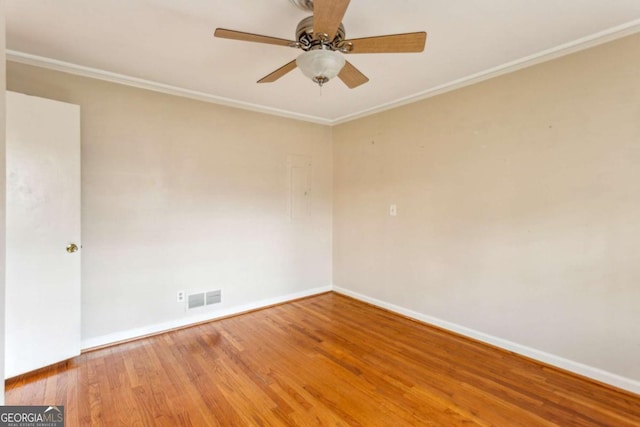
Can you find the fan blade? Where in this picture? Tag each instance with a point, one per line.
(351, 76)
(248, 37)
(394, 43)
(327, 16)
(270, 78)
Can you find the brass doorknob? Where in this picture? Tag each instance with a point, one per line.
(72, 248)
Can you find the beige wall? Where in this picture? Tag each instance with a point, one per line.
(518, 207)
(183, 195)
(518, 204)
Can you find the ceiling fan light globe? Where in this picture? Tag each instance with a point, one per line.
(320, 65)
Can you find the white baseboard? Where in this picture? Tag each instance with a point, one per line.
(550, 359)
(194, 319)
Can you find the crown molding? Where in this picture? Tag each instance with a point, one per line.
(95, 73)
(509, 67)
(583, 43)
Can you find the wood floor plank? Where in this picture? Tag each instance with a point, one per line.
(327, 360)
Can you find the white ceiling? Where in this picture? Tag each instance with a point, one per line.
(169, 45)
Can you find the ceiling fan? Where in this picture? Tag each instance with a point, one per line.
(322, 37)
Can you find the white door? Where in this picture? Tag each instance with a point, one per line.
(43, 224)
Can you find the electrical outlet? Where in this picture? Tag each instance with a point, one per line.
(180, 296)
(393, 210)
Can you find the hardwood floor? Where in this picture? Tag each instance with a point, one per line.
(326, 360)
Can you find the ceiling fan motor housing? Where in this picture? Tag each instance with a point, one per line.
(309, 40)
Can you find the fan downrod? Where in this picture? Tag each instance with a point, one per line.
(303, 4)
